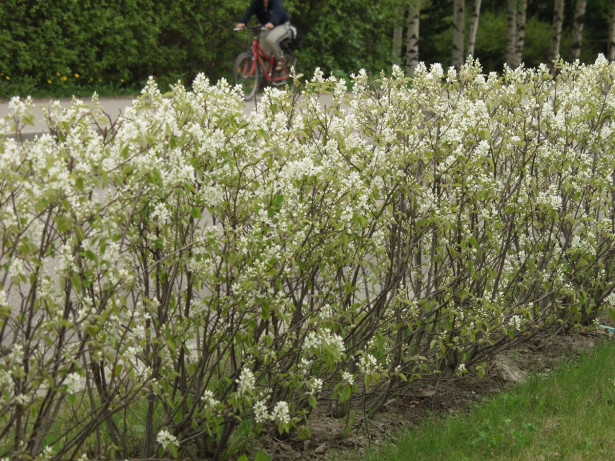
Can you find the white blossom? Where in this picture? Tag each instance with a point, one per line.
(166, 439)
(461, 369)
(315, 386)
(260, 412)
(73, 383)
(280, 413)
(245, 382)
(610, 299)
(209, 399)
(348, 378)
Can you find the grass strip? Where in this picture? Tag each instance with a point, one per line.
(569, 414)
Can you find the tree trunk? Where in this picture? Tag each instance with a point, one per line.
(520, 34)
(473, 27)
(577, 29)
(511, 32)
(398, 34)
(610, 54)
(556, 36)
(459, 20)
(412, 38)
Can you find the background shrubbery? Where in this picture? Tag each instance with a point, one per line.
(56, 45)
(190, 277)
(73, 47)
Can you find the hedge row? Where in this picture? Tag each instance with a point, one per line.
(192, 275)
(46, 44)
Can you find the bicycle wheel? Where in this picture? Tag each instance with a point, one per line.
(246, 75)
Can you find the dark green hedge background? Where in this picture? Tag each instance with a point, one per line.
(118, 44)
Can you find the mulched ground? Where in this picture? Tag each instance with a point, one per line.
(540, 354)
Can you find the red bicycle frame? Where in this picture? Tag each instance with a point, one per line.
(265, 62)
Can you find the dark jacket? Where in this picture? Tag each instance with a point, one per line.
(275, 12)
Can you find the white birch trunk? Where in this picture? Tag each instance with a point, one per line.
(473, 27)
(610, 54)
(511, 32)
(398, 35)
(459, 20)
(520, 34)
(412, 37)
(577, 29)
(556, 36)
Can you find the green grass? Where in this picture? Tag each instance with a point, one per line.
(568, 415)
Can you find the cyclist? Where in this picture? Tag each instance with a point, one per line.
(276, 22)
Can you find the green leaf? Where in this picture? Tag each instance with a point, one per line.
(276, 204)
(196, 213)
(261, 456)
(117, 370)
(349, 423)
(62, 224)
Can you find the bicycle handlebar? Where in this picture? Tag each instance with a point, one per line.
(250, 28)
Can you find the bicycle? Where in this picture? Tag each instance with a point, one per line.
(254, 64)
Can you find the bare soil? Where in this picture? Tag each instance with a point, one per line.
(540, 354)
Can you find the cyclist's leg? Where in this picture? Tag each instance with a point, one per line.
(273, 39)
(264, 43)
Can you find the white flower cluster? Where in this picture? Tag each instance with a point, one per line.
(610, 299)
(246, 382)
(515, 322)
(315, 386)
(550, 199)
(209, 399)
(348, 378)
(368, 365)
(261, 414)
(461, 369)
(46, 454)
(324, 340)
(166, 439)
(73, 383)
(279, 414)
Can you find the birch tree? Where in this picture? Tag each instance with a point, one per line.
(577, 29)
(458, 32)
(556, 36)
(520, 31)
(611, 46)
(511, 32)
(412, 37)
(398, 33)
(473, 27)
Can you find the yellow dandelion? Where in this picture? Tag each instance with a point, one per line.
(58, 74)
(121, 80)
(91, 79)
(76, 75)
(64, 78)
(7, 77)
(49, 81)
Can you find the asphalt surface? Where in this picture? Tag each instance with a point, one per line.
(113, 107)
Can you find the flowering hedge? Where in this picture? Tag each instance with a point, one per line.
(189, 275)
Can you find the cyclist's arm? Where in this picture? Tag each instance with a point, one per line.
(248, 14)
(240, 26)
(278, 14)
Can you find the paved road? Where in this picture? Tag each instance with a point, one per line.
(112, 107)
